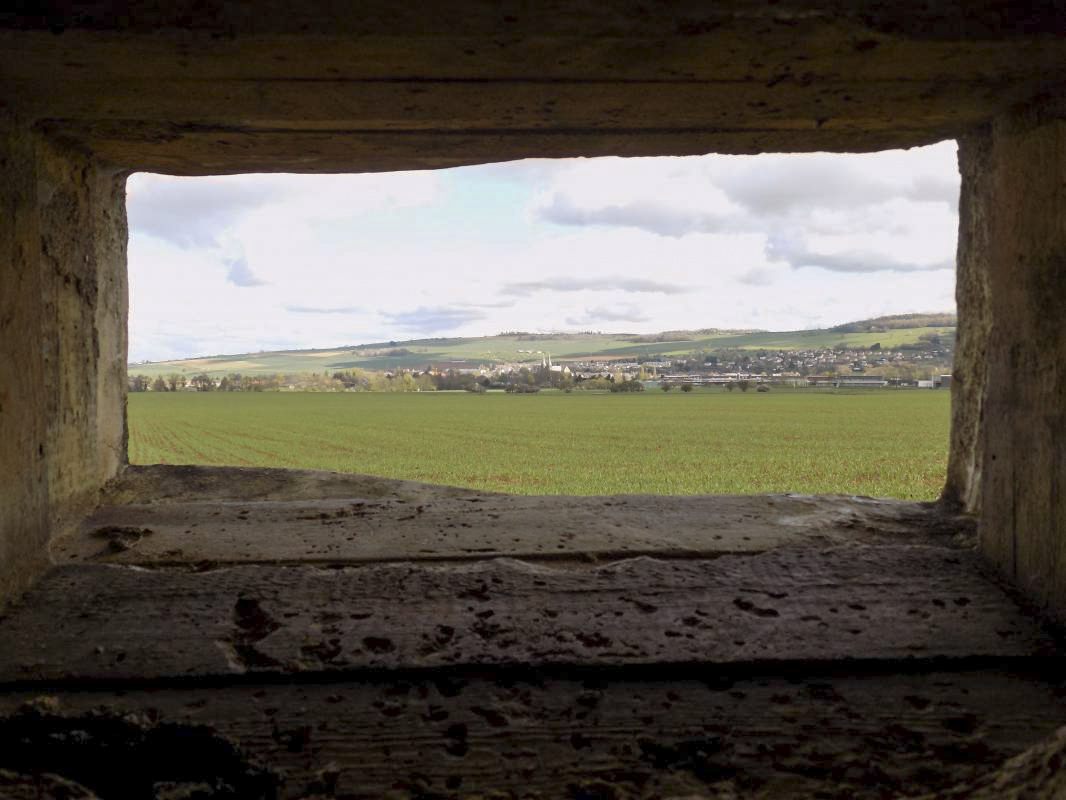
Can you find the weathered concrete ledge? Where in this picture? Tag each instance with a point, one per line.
(861, 603)
(169, 516)
(404, 575)
(342, 635)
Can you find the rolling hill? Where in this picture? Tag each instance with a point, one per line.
(518, 346)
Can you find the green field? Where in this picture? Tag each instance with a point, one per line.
(883, 443)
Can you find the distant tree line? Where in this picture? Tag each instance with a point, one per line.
(233, 382)
(524, 380)
(894, 321)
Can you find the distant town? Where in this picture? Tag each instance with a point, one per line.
(923, 360)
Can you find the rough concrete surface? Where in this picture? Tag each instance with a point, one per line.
(1037, 772)
(41, 786)
(63, 340)
(969, 377)
(82, 258)
(854, 603)
(24, 502)
(782, 647)
(1020, 208)
(167, 485)
(271, 86)
(90, 91)
(159, 516)
(664, 733)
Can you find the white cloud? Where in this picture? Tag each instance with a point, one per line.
(625, 312)
(795, 252)
(192, 212)
(322, 310)
(196, 212)
(613, 283)
(240, 274)
(242, 263)
(663, 220)
(423, 320)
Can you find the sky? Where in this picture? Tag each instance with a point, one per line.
(235, 264)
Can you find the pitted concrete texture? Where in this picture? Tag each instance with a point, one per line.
(91, 92)
(82, 252)
(62, 343)
(43, 786)
(187, 586)
(842, 646)
(160, 516)
(1022, 438)
(1036, 773)
(853, 603)
(24, 501)
(268, 86)
(969, 379)
(667, 733)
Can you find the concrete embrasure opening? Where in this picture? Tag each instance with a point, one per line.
(862, 650)
(429, 641)
(299, 633)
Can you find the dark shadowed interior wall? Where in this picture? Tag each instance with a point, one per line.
(62, 343)
(1009, 440)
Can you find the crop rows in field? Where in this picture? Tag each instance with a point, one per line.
(874, 442)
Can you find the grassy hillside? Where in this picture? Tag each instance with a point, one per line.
(511, 347)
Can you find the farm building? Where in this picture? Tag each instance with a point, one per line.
(860, 381)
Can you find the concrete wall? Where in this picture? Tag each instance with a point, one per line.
(62, 343)
(1008, 456)
(23, 422)
(199, 88)
(1010, 417)
(321, 88)
(969, 376)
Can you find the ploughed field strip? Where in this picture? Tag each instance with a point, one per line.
(321, 634)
